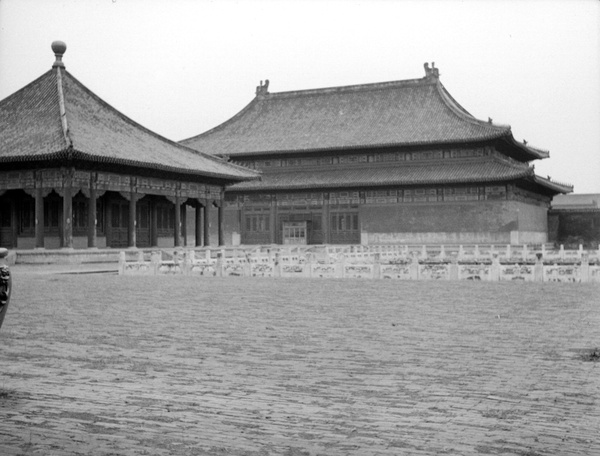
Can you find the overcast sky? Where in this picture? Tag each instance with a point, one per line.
(181, 67)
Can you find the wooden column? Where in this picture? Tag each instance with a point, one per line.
(67, 231)
(39, 218)
(131, 237)
(66, 238)
(325, 220)
(273, 220)
(177, 233)
(198, 233)
(92, 221)
(207, 224)
(220, 210)
(153, 223)
(108, 223)
(184, 224)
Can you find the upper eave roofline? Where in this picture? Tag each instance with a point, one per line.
(431, 78)
(262, 94)
(556, 186)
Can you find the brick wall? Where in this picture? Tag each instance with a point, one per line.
(489, 221)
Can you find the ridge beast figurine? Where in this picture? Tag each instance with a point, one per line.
(5, 286)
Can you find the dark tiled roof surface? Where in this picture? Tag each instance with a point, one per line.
(30, 120)
(410, 112)
(371, 176)
(31, 128)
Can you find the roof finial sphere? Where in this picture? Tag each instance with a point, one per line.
(59, 47)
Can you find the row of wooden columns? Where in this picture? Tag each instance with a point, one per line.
(202, 232)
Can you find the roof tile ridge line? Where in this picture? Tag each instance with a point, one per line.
(222, 125)
(62, 108)
(134, 123)
(463, 114)
(351, 88)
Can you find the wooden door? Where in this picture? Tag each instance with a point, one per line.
(7, 228)
(143, 224)
(119, 224)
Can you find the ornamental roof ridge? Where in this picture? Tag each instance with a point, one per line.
(351, 88)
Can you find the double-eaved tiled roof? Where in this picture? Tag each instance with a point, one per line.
(401, 113)
(376, 175)
(56, 117)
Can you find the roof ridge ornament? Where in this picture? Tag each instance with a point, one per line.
(431, 73)
(59, 48)
(262, 89)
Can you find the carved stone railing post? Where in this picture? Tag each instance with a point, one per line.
(187, 262)
(584, 269)
(495, 269)
(453, 269)
(538, 268)
(414, 268)
(155, 258)
(377, 266)
(276, 262)
(219, 265)
(122, 261)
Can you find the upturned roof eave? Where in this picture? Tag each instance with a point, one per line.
(69, 154)
(558, 187)
(363, 146)
(351, 183)
(533, 152)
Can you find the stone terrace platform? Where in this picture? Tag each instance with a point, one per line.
(106, 364)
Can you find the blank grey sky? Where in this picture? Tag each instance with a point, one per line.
(181, 67)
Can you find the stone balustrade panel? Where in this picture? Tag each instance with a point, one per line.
(490, 263)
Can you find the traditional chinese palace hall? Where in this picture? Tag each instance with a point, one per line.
(76, 173)
(392, 162)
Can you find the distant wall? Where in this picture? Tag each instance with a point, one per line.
(572, 228)
(481, 222)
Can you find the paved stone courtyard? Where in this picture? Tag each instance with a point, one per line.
(100, 364)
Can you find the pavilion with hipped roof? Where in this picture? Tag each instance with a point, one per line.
(75, 172)
(392, 162)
